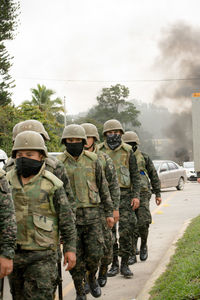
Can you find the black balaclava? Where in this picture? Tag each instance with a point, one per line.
(113, 140)
(75, 149)
(27, 167)
(133, 145)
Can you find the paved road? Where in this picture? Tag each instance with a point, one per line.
(168, 219)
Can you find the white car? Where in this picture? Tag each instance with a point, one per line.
(3, 158)
(170, 174)
(190, 172)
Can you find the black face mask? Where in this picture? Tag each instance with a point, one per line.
(27, 167)
(113, 141)
(75, 149)
(133, 145)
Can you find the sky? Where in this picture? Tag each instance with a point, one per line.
(78, 47)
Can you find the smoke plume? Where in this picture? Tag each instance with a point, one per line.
(179, 61)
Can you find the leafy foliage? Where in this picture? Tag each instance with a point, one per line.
(8, 23)
(41, 97)
(113, 104)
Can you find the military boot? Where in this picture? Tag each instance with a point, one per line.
(80, 293)
(132, 260)
(102, 279)
(95, 289)
(125, 268)
(143, 252)
(114, 270)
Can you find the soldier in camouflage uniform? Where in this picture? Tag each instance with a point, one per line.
(52, 164)
(113, 184)
(8, 227)
(148, 176)
(42, 211)
(90, 189)
(129, 181)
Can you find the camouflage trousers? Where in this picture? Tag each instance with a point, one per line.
(108, 241)
(127, 223)
(34, 275)
(144, 219)
(89, 251)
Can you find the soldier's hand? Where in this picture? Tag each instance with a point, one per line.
(116, 216)
(70, 260)
(110, 222)
(158, 200)
(6, 266)
(198, 180)
(135, 203)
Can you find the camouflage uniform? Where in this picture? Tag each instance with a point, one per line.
(129, 181)
(87, 179)
(42, 211)
(148, 175)
(113, 185)
(8, 227)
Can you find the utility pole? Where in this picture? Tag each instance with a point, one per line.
(196, 129)
(65, 122)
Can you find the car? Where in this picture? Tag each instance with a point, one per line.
(170, 174)
(3, 158)
(190, 172)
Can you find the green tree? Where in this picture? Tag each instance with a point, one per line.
(41, 97)
(113, 104)
(8, 23)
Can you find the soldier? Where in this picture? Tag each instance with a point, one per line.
(8, 227)
(112, 179)
(42, 211)
(129, 181)
(52, 164)
(90, 189)
(148, 176)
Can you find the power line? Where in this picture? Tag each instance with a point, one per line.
(102, 81)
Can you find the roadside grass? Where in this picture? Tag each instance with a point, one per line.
(181, 280)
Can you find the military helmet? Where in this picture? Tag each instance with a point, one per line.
(29, 140)
(34, 125)
(15, 130)
(112, 125)
(130, 136)
(91, 130)
(74, 131)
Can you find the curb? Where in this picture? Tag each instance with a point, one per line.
(144, 294)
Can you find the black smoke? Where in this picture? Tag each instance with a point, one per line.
(179, 62)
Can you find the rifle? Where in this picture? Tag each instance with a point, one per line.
(60, 294)
(1, 288)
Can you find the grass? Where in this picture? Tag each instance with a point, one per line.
(181, 280)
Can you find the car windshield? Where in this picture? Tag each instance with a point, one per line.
(188, 164)
(156, 165)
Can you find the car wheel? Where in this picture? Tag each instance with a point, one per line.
(180, 185)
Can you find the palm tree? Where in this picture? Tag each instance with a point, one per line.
(41, 97)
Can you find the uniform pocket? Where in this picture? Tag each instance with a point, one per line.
(44, 234)
(125, 176)
(93, 193)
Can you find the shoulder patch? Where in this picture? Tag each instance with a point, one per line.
(50, 162)
(126, 147)
(62, 157)
(55, 180)
(93, 156)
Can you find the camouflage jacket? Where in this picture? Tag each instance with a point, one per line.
(87, 215)
(8, 227)
(111, 177)
(133, 169)
(61, 206)
(152, 174)
(57, 168)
